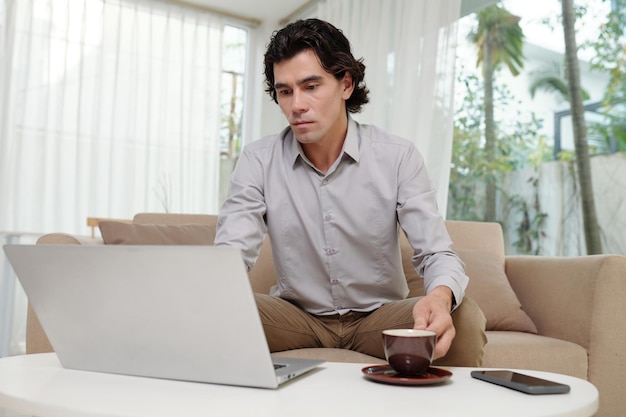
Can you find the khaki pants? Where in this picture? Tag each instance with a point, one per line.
(288, 327)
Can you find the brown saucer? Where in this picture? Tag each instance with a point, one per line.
(385, 374)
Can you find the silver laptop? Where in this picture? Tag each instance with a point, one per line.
(176, 312)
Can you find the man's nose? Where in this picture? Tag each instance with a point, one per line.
(299, 102)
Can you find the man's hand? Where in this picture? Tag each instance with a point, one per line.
(432, 312)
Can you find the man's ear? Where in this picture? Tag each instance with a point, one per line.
(348, 85)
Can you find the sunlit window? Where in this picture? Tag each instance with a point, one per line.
(232, 90)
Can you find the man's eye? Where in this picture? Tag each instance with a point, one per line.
(284, 92)
(312, 86)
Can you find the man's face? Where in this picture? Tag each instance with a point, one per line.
(312, 100)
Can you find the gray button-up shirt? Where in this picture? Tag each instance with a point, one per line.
(335, 235)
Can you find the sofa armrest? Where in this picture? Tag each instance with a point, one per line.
(67, 239)
(581, 300)
(571, 298)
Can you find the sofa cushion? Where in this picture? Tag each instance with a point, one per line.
(531, 351)
(490, 288)
(118, 233)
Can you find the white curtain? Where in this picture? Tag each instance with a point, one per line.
(409, 49)
(108, 108)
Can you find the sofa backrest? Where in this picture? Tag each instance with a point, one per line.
(481, 236)
(474, 242)
(478, 236)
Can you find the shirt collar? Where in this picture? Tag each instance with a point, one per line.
(350, 145)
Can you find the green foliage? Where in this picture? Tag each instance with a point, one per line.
(555, 22)
(609, 56)
(610, 50)
(519, 145)
(530, 229)
(499, 39)
(609, 135)
(499, 32)
(552, 78)
(469, 165)
(567, 156)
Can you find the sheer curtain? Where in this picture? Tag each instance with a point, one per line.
(409, 49)
(109, 107)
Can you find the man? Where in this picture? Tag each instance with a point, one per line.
(331, 193)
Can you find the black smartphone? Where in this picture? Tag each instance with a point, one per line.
(520, 382)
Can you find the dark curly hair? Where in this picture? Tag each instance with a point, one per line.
(332, 49)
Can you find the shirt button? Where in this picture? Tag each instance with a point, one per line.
(334, 281)
(324, 181)
(328, 217)
(331, 251)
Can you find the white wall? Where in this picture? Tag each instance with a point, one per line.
(545, 104)
(557, 193)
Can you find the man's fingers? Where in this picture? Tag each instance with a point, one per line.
(443, 344)
(435, 317)
(420, 317)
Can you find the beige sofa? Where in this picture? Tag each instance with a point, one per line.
(561, 315)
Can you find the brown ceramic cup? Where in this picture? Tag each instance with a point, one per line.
(409, 351)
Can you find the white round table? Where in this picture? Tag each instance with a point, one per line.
(39, 385)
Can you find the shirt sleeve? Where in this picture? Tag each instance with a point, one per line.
(241, 221)
(434, 258)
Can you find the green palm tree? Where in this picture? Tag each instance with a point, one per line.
(552, 79)
(500, 40)
(583, 163)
